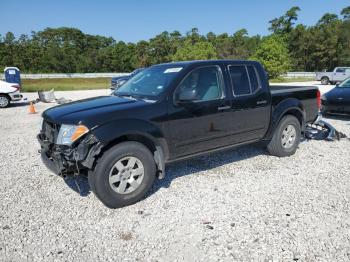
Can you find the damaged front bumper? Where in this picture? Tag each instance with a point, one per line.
(65, 160)
(321, 130)
(15, 96)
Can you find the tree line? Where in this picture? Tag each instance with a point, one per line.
(289, 47)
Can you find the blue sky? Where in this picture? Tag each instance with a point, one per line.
(135, 20)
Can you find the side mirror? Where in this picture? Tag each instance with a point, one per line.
(187, 95)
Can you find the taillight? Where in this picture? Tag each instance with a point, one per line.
(17, 87)
(318, 99)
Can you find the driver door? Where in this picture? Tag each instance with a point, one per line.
(199, 124)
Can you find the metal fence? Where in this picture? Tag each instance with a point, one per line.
(69, 75)
(300, 74)
(96, 75)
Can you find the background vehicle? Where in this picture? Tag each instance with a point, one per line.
(337, 100)
(9, 92)
(118, 81)
(339, 74)
(169, 112)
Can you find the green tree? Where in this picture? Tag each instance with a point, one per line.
(321, 46)
(8, 50)
(199, 51)
(284, 24)
(301, 47)
(273, 54)
(327, 19)
(346, 13)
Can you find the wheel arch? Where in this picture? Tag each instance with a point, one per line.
(287, 107)
(7, 96)
(147, 134)
(326, 78)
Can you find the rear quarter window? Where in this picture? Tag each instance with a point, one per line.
(254, 79)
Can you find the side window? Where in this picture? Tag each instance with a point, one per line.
(204, 82)
(340, 70)
(254, 80)
(240, 81)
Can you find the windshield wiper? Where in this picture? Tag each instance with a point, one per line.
(136, 97)
(127, 96)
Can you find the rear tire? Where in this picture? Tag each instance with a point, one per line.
(4, 101)
(286, 138)
(117, 180)
(325, 80)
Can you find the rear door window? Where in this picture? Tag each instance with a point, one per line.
(239, 80)
(244, 79)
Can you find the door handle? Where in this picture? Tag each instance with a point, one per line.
(261, 102)
(223, 108)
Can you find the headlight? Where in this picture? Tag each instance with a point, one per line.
(41, 124)
(70, 133)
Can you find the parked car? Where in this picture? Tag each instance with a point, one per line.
(339, 74)
(167, 113)
(118, 81)
(9, 92)
(337, 100)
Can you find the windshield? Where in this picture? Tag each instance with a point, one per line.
(136, 71)
(345, 84)
(150, 82)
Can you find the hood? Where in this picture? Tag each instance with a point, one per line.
(92, 111)
(120, 78)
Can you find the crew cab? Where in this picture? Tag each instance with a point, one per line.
(9, 92)
(338, 75)
(167, 113)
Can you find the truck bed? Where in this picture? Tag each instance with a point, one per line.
(286, 89)
(305, 94)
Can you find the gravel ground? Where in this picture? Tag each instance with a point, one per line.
(240, 205)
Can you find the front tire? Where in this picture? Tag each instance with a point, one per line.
(286, 138)
(4, 101)
(123, 175)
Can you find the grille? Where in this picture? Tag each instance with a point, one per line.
(50, 131)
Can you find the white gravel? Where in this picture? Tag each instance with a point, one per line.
(240, 205)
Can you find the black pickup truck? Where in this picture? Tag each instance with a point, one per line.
(170, 112)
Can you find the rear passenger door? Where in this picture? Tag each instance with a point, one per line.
(250, 104)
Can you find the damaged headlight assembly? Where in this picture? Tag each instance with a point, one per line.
(70, 133)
